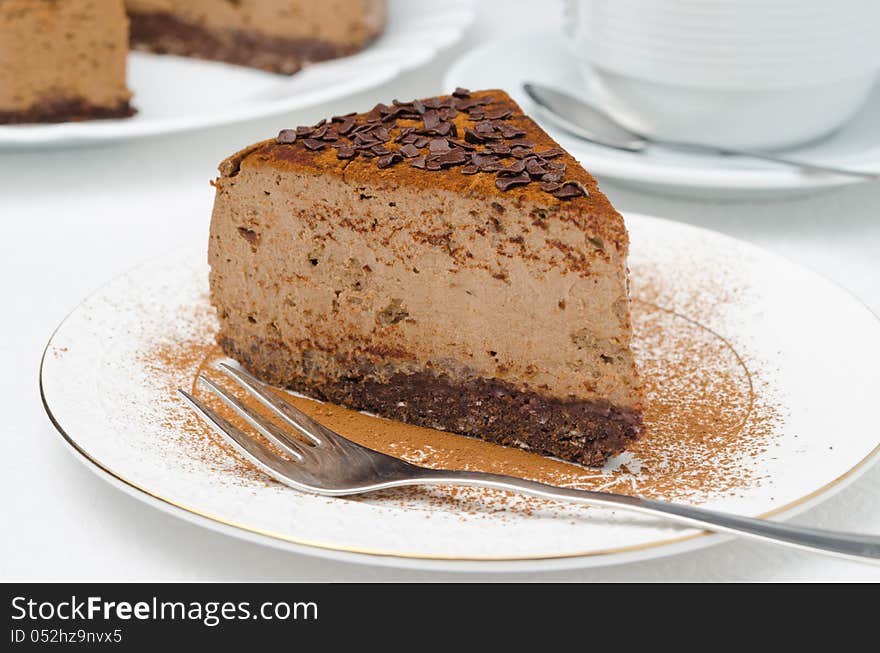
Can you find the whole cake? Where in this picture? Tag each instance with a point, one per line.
(63, 60)
(441, 262)
(275, 35)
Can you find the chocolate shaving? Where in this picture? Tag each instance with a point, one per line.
(409, 151)
(378, 111)
(487, 163)
(438, 146)
(506, 183)
(469, 169)
(364, 138)
(418, 162)
(552, 153)
(431, 119)
(401, 110)
(389, 160)
(534, 168)
(446, 128)
(513, 169)
(346, 126)
(365, 127)
(286, 136)
(509, 131)
(472, 137)
(485, 129)
(451, 158)
(465, 104)
(313, 144)
(461, 93)
(462, 144)
(346, 151)
(499, 148)
(570, 190)
(497, 114)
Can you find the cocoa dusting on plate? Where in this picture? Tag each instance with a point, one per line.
(706, 414)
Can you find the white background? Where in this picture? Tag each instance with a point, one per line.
(70, 220)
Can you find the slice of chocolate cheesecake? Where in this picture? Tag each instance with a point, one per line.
(275, 35)
(63, 60)
(441, 262)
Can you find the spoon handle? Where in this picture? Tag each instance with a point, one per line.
(806, 166)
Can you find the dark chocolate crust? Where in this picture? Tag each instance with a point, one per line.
(587, 432)
(164, 33)
(65, 110)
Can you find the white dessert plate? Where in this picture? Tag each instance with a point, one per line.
(805, 425)
(175, 94)
(544, 57)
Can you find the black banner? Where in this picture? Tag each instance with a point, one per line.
(131, 616)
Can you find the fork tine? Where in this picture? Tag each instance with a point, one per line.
(258, 454)
(287, 411)
(286, 443)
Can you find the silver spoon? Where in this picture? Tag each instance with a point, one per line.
(592, 124)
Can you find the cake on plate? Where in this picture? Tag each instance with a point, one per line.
(276, 35)
(63, 60)
(441, 262)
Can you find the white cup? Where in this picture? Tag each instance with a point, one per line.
(737, 73)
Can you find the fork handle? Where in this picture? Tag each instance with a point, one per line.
(846, 545)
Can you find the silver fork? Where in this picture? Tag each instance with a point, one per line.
(323, 462)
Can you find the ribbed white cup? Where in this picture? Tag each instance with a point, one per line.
(681, 68)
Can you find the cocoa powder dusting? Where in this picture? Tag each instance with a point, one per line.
(706, 414)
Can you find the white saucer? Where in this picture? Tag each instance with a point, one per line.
(110, 371)
(543, 57)
(174, 94)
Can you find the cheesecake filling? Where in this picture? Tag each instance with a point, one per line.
(483, 315)
(62, 60)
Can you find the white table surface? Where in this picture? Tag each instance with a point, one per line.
(73, 219)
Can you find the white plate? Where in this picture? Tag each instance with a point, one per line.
(543, 57)
(174, 94)
(811, 348)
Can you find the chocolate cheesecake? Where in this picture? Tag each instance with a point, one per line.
(275, 35)
(441, 262)
(63, 60)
